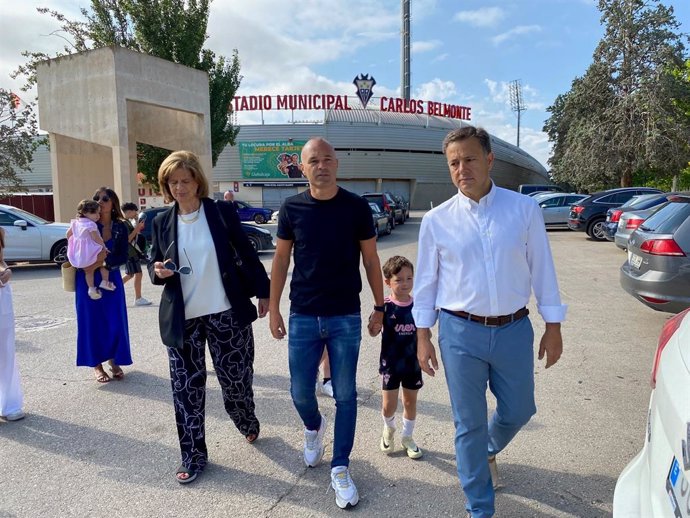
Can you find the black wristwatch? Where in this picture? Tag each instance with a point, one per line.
(382, 309)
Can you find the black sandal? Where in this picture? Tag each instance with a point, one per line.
(191, 475)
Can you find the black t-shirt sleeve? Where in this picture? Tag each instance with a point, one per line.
(285, 230)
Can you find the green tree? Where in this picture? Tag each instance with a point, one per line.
(620, 116)
(18, 140)
(170, 29)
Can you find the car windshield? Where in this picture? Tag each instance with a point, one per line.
(31, 218)
(668, 218)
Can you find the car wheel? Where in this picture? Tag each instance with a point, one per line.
(59, 252)
(389, 229)
(256, 244)
(259, 218)
(597, 230)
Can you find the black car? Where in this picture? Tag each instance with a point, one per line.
(261, 239)
(388, 205)
(589, 215)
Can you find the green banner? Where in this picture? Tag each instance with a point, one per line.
(272, 159)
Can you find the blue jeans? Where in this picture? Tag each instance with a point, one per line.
(474, 355)
(341, 335)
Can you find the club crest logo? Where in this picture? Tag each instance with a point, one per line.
(365, 85)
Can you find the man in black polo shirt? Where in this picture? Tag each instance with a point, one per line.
(329, 229)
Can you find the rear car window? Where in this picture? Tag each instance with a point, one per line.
(668, 218)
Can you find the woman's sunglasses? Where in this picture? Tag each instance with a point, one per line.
(105, 198)
(170, 265)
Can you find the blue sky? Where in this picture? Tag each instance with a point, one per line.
(463, 52)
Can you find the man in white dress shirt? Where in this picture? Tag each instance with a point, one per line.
(481, 254)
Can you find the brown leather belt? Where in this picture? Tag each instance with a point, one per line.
(490, 321)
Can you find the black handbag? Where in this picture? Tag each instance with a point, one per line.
(244, 274)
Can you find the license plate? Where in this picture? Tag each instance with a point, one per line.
(678, 489)
(634, 260)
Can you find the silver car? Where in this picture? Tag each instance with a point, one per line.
(555, 207)
(657, 271)
(31, 238)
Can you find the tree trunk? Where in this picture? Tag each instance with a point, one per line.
(626, 179)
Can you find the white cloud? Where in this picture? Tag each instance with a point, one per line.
(436, 90)
(425, 46)
(484, 17)
(515, 31)
(440, 57)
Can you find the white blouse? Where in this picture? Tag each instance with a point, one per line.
(202, 290)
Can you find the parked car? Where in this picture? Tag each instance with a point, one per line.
(527, 188)
(555, 208)
(386, 204)
(31, 238)
(657, 271)
(631, 219)
(258, 215)
(640, 203)
(589, 215)
(260, 238)
(404, 205)
(657, 481)
(382, 223)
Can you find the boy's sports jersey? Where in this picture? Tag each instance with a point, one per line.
(399, 339)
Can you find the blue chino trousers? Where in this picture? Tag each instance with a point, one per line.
(341, 335)
(474, 355)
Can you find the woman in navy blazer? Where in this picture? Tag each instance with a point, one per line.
(196, 247)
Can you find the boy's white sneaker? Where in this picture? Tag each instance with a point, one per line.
(387, 444)
(327, 389)
(346, 495)
(411, 447)
(94, 293)
(313, 444)
(141, 301)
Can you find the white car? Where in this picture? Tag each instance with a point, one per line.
(31, 238)
(656, 483)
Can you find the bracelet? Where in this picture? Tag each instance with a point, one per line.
(381, 309)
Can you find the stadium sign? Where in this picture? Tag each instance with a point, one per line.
(364, 85)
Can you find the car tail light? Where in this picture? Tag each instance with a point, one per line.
(633, 223)
(654, 300)
(662, 247)
(577, 209)
(670, 327)
(616, 216)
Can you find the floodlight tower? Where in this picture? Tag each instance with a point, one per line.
(516, 103)
(405, 51)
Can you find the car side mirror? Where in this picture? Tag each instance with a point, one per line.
(21, 223)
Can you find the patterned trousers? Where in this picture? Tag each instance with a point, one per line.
(232, 352)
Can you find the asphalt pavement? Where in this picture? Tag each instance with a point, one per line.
(89, 449)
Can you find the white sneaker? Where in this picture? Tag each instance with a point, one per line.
(387, 445)
(313, 444)
(493, 469)
(15, 416)
(327, 389)
(345, 491)
(411, 447)
(107, 285)
(142, 302)
(94, 294)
